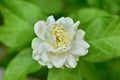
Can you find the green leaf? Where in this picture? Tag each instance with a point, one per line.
(21, 65)
(110, 6)
(103, 34)
(89, 71)
(3, 50)
(19, 17)
(49, 6)
(113, 68)
(74, 5)
(88, 14)
(64, 74)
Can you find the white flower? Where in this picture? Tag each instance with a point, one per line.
(58, 43)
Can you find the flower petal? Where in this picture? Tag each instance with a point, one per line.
(67, 65)
(49, 38)
(72, 61)
(49, 65)
(40, 29)
(35, 43)
(41, 62)
(69, 22)
(78, 50)
(71, 31)
(50, 20)
(80, 35)
(38, 51)
(59, 60)
(70, 43)
(75, 26)
(36, 56)
(60, 21)
(84, 44)
(44, 57)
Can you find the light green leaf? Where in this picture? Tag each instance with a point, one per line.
(103, 34)
(21, 65)
(19, 17)
(64, 74)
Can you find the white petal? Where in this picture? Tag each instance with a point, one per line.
(75, 26)
(69, 22)
(36, 54)
(77, 58)
(48, 48)
(40, 29)
(72, 61)
(72, 32)
(61, 21)
(78, 50)
(84, 44)
(41, 62)
(35, 43)
(49, 38)
(50, 20)
(49, 65)
(86, 51)
(67, 65)
(59, 61)
(44, 57)
(38, 51)
(80, 35)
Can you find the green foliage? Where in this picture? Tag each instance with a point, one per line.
(113, 69)
(64, 74)
(88, 71)
(103, 34)
(21, 65)
(18, 22)
(49, 6)
(99, 19)
(104, 37)
(112, 6)
(88, 14)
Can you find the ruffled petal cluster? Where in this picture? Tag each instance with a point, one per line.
(58, 43)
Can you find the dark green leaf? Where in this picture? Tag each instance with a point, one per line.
(64, 74)
(113, 68)
(89, 71)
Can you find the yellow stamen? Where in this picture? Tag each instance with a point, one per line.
(61, 35)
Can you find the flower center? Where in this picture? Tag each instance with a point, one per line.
(61, 35)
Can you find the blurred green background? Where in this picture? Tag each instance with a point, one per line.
(17, 19)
